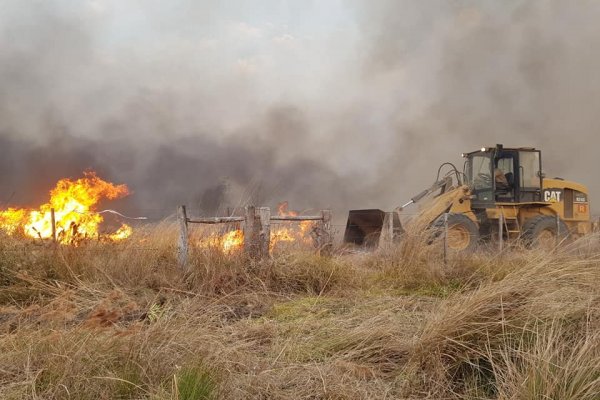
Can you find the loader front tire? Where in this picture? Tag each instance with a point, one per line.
(463, 234)
(544, 232)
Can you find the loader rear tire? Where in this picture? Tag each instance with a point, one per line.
(463, 234)
(543, 232)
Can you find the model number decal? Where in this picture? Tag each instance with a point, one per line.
(580, 197)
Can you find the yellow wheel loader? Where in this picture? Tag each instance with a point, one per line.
(502, 192)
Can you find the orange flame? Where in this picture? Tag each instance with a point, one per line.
(233, 240)
(122, 233)
(284, 211)
(228, 243)
(74, 203)
(288, 232)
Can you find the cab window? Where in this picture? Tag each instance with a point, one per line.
(506, 165)
(530, 169)
(480, 176)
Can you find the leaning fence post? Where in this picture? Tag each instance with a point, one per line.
(264, 215)
(386, 237)
(53, 221)
(182, 248)
(446, 239)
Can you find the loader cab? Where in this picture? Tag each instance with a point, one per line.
(503, 175)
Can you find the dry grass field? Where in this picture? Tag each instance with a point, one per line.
(122, 321)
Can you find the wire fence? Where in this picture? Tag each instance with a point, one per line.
(332, 228)
(256, 227)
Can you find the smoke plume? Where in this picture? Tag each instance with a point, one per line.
(342, 105)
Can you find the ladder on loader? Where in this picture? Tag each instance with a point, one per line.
(510, 222)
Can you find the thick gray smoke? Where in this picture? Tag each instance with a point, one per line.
(343, 105)
(187, 105)
(466, 74)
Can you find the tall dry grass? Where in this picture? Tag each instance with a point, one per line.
(124, 321)
(531, 334)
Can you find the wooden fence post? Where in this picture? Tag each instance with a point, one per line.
(501, 232)
(251, 233)
(557, 230)
(386, 238)
(182, 248)
(264, 215)
(326, 238)
(446, 239)
(53, 221)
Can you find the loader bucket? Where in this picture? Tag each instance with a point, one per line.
(364, 227)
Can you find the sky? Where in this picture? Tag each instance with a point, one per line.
(339, 104)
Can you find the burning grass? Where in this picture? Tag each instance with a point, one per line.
(284, 235)
(70, 215)
(121, 320)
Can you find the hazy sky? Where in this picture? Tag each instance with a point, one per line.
(324, 103)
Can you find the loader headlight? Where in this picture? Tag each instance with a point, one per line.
(483, 149)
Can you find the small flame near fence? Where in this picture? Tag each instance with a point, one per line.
(281, 233)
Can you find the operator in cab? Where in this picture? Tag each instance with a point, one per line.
(501, 181)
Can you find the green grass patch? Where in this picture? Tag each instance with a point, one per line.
(310, 307)
(195, 383)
